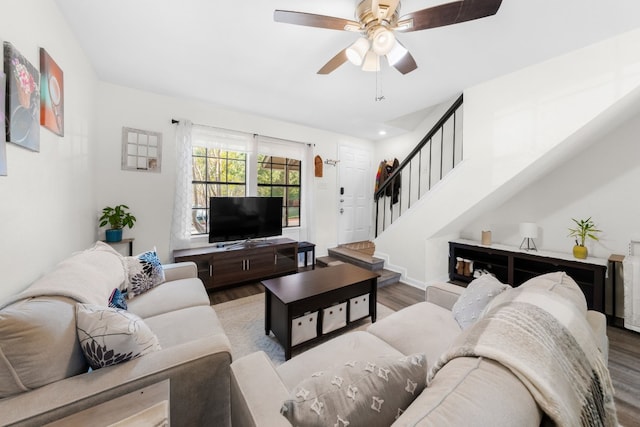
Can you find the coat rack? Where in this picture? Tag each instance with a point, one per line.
(331, 162)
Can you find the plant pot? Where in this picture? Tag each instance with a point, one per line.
(580, 252)
(113, 235)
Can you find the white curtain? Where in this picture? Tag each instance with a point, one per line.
(181, 222)
(189, 135)
(631, 275)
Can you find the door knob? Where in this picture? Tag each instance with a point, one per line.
(341, 210)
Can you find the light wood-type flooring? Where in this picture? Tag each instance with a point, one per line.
(624, 345)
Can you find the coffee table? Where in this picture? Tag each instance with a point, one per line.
(289, 297)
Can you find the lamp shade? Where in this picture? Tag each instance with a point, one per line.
(371, 62)
(382, 41)
(357, 51)
(528, 230)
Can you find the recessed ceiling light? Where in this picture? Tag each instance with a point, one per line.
(382, 132)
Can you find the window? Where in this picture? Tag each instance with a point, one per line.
(216, 173)
(221, 173)
(280, 176)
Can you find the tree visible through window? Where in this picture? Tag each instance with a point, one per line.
(219, 173)
(279, 176)
(215, 173)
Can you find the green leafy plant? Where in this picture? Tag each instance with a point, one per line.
(117, 217)
(584, 228)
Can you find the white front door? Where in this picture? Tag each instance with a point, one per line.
(355, 187)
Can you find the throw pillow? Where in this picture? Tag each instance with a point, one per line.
(469, 306)
(369, 392)
(117, 300)
(144, 273)
(109, 336)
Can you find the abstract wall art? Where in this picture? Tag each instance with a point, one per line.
(23, 99)
(51, 94)
(3, 144)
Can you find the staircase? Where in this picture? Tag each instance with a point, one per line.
(360, 254)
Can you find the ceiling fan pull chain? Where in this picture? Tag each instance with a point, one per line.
(379, 95)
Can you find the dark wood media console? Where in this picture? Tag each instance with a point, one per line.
(515, 266)
(234, 264)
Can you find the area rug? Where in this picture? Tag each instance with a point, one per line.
(243, 322)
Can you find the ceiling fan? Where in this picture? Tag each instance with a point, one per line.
(378, 20)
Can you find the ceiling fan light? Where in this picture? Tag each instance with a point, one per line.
(357, 51)
(382, 41)
(396, 54)
(371, 62)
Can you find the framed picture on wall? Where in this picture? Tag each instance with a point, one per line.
(141, 150)
(3, 144)
(23, 99)
(51, 94)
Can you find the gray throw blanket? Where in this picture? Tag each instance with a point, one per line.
(546, 342)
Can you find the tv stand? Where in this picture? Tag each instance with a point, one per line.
(242, 262)
(247, 244)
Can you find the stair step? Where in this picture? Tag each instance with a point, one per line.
(388, 277)
(354, 257)
(327, 261)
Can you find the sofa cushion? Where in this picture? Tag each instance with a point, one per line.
(144, 272)
(181, 326)
(373, 391)
(169, 296)
(473, 391)
(38, 344)
(88, 276)
(109, 336)
(430, 327)
(357, 345)
(562, 284)
(474, 299)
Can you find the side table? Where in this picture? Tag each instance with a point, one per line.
(122, 242)
(306, 247)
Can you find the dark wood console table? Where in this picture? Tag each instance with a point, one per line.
(234, 264)
(515, 266)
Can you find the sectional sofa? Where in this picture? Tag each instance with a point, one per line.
(45, 376)
(489, 355)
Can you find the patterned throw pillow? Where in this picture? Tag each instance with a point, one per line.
(117, 300)
(469, 306)
(371, 392)
(109, 336)
(144, 272)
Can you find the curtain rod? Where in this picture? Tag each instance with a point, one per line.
(174, 122)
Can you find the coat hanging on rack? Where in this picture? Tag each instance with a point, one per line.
(385, 169)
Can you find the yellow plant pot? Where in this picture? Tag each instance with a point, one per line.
(580, 252)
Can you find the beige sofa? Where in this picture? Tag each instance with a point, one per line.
(43, 372)
(466, 390)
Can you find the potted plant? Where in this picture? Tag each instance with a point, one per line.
(585, 228)
(117, 217)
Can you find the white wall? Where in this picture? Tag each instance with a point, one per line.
(47, 209)
(150, 195)
(601, 182)
(535, 115)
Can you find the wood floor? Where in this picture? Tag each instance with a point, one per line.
(624, 345)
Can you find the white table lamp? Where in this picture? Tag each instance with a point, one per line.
(528, 231)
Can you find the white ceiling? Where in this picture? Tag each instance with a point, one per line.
(232, 54)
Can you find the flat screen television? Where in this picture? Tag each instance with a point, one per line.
(241, 218)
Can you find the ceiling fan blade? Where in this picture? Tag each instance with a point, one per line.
(312, 20)
(406, 64)
(384, 9)
(448, 14)
(334, 62)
